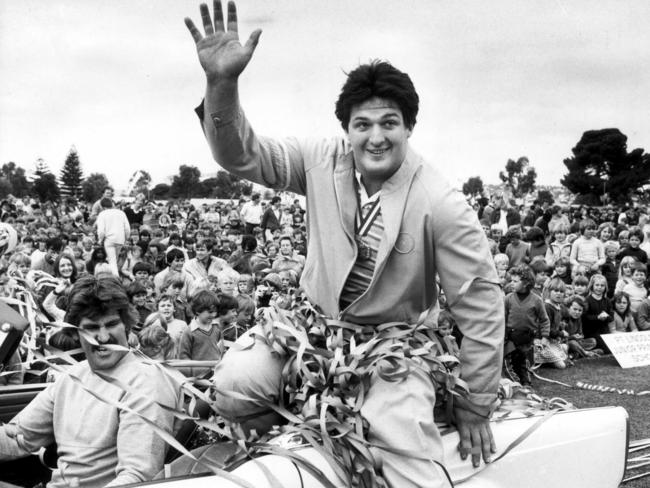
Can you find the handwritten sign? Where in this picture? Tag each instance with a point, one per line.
(631, 349)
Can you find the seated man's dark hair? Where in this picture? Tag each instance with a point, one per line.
(94, 297)
(382, 80)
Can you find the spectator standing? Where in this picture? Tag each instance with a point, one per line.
(251, 213)
(112, 230)
(288, 258)
(271, 219)
(97, 206)
(587, 249)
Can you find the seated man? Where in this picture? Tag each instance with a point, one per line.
(99, 443)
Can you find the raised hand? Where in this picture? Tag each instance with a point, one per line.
(221, 54)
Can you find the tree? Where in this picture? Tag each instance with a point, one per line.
(92, 188)
(601, 168)
(473, 187)
(545, 196)
(139, 183)
(15, 179)
(160, 191)
(186, 183)
(226, 185)
(71, 175)
(46, 187)
(519, 176)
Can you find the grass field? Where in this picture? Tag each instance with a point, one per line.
(605, 371)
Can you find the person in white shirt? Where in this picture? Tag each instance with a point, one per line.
(251, 213)
(113, 229)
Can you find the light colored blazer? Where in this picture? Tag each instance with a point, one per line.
(429, 230)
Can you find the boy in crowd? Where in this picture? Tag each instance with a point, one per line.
(526, 319)
(633, 249)
(142, 272)
(516, 250)
(137, 294)
(203, 339)
(173, 287)
(636, 289)
(581, 286)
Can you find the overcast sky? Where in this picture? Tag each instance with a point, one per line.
(118, 79)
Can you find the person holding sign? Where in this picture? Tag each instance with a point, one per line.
(382, 223)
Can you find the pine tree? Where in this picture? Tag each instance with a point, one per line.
(71, 175)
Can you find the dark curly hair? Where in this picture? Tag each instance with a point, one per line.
(382, 80)
(96, 296)
(525, 274)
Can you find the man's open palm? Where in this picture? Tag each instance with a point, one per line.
(221, 54)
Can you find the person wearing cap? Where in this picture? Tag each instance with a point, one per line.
(382, 224)
(251, 213)
(99, 443)
(271, 219)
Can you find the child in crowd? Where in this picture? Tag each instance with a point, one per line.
(516, 250)
(623, 321)
(562, 270)
(537, 242)
(227, 311)
(502, 263)
(174, 327)
(610, 267)
(540, 270)
(154, 338)
(580, 286)
(245, 285)
(142, 271)
(624, 273)
(137, 294)
(623, 239)
(598, 311)
(560, 247)
(245, 312)
(556, 352)
(202, 340)
(634, 241)
(586, 249)
(444, 331)
(173, 287)
(526, 319)
(636, 290)
(497, 235)
(579, 347)
(228, 279)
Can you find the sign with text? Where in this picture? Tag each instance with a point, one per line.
(631, 349)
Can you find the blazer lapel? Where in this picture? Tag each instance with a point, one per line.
(346, 193)
(394, 194)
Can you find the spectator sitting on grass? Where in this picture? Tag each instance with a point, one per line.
(622, 320)
(580, 286)
(624, 273)
(556, 353)
(579, 347)
(634, 241)
(562, 270)
(610, 268)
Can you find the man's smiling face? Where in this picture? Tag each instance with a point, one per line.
(379, 139)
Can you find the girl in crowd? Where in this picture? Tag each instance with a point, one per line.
(555, 353)
(562, 270)
(605, 232)
(623, 321)
(174, 327)
(598, 310)
(155, 341)
(610, 267)
(560, 247)
(624, 273)
(587, 249)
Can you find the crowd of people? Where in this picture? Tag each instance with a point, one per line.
(570, 275)
(194, 275)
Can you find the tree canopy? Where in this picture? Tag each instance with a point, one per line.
(46, 188)
(186, 183)
(519, 176)
(473, 186)
(92, 188)
(13, 181)
(601, 168)
(71, 175)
